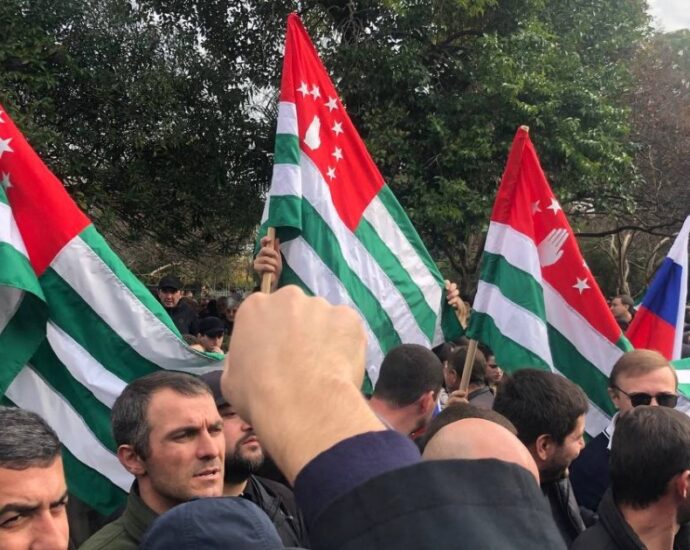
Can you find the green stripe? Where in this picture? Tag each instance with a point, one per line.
(326, 245)
(515, 284)
(509, 354)
(449, 323)
(3, 195)
(91, 487)
(21, 338)
(16, 271)
(94, 240)
(94, 413)
(72, 314)
(389, 262)
(286, 149)
(569, 362)
(624, 344)
(289, 277)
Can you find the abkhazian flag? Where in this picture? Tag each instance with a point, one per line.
(660, 319)
(344, 235)
(75, 324)
(537, 304)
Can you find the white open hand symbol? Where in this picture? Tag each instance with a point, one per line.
(550, 248)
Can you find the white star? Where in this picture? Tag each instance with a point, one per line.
(331, 104)
(1, 121)
(337, 128)
(5, 182)
(338, 154)
(330, 172)
(5, 146)
(315, 92)
(581, 284)
(554, 206)
(535, 207)
(303, 89)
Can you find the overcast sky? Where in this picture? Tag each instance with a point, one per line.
(670, 15)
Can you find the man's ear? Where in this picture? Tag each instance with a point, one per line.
(544, 447)
(132, 462)
(427, 401)
(615, 397)
(681, 484)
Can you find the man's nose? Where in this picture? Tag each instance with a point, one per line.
(50, 531)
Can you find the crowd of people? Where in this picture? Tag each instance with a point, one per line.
(282, 450)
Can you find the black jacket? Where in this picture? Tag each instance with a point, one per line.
(184, 317)
(564, 509)
(448, 504)
(279, 504)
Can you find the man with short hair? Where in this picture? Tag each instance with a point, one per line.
(639, 377)
(183, 315)
(650, 483)
(548, 411)
(623, 309)
(409, 382)
(33, 493)
(243, 458)
(478, 391)
(169, 436)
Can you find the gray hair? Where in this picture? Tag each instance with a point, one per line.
(26, 440)
(129, 415)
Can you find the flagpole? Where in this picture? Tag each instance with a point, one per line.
(267, 278)
(467, 369)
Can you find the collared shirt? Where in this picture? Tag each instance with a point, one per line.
(608, 431)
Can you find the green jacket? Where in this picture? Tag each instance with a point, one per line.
(125, 532)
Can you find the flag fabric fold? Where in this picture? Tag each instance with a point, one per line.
(80, 325)
(537, 304)
(344, 235)
(660, 319)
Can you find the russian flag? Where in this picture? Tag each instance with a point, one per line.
(658, 324)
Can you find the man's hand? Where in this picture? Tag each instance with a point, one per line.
(294, 370)
(269, 260)
(456, 302)
(458, 396)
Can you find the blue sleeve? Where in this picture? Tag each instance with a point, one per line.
(347, 465)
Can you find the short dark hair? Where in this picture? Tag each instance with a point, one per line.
(460, 411)
(638, 362)
(456, 362)
(650, 446)
(407, 372)
(26, 440)
(129, 414)
(541, 403)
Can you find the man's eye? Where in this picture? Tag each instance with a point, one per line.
(10, 521)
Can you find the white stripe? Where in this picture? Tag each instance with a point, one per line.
(287, 118)
(317, 192)
(82, 269)
(588, 341)
(10, 300)
(596, 420)
(389, 232)
(29, 391)
(679, 255)
(517, 248)
(9, 232)
(683, 376)
(286, 180)
(309, 267)
(103, 384)
(515, 322)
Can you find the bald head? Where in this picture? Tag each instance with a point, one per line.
(476, 438)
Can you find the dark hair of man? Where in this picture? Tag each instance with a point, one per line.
(651, 445)
(456, 362)
(129, 414)
(541, 403)
(407, 372)
(460, 411)
(26, 440)
(628, 302)
(637, 363)
(443, 351)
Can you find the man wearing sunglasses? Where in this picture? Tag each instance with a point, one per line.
(639, 377)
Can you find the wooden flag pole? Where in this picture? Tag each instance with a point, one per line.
(267, 278)
(467, 369)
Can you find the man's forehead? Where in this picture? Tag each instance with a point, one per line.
(168, 406)
(32, 485)
(661, 376)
